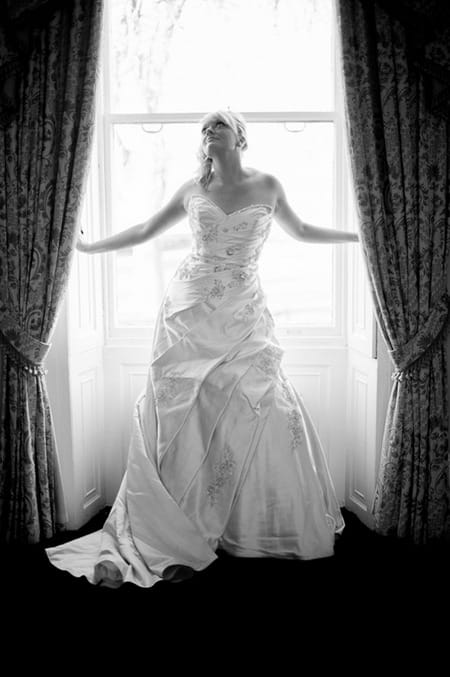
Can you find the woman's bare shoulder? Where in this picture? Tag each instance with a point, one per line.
(273, 183)
(268, 184)
(261, 177)
(185, 191)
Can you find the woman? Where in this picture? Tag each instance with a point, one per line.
(223, 452)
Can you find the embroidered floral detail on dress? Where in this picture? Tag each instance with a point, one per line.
(239, 278)
(240, 226)
(223, 472)
(209, 235)
(219, 268)
(295, 427)
(268, 360)
(168, 387)
(247, 311)
(287, 392)
(216, 291)
(294, 417)
(233, 249)
(188, 269)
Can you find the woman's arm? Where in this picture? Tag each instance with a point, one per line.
(171, 213)
(300, 230)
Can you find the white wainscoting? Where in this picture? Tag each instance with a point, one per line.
(361, 439)
(75, 388)
(126, 369)
(88, 433)
(368, 381)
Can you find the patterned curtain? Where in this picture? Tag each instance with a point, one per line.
(427, 29)
(50, 56)
(400, 153)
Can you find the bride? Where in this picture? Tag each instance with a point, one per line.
(223, 453)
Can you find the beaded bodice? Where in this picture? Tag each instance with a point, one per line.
(228, 239)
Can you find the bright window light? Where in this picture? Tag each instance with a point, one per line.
(273, 61)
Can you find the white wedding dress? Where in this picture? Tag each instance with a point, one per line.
(223, 452)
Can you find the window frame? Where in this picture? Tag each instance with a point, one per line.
(291, 335)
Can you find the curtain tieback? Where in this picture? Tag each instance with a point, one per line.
(432, 329)
(25, 350)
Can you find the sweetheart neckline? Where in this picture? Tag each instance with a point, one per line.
(236, 211)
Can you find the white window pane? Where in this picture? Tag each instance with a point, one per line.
(192, 55)
(147, 168)
(298, 276)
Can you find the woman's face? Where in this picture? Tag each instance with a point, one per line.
(217, 134)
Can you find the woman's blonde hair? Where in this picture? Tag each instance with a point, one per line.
(238, 125)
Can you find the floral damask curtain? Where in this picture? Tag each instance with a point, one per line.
(47, 119)
(400, 152)
(427, 37)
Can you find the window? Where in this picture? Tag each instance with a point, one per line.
(165, 64)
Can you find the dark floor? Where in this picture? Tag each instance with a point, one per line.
(373, 585)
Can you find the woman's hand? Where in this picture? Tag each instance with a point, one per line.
(82, 245)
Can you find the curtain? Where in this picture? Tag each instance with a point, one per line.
(427, 32)
(48, 57)
(400, 155)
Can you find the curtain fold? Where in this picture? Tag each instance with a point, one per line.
(44, 148)
(427, 26)
(400, 155)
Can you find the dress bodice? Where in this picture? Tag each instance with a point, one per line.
(234, 238)
(223, 261)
